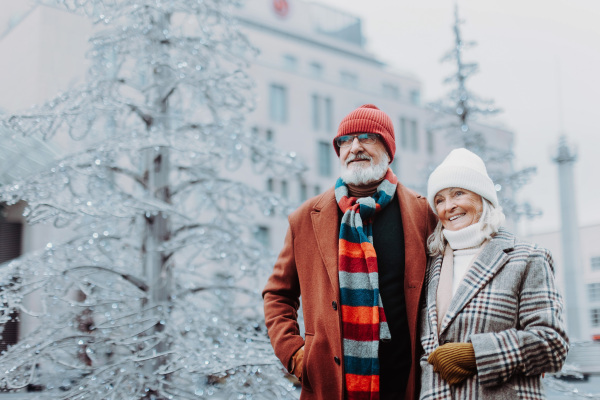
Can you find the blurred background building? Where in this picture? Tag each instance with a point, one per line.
(313, 68)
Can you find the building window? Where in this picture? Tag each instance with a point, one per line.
(316, 112)
(328, 114)
(263, 236)
(403, 133)
(594, 291)
(290, 62)
(595, 317)
(284, 189)
(324, 162)
(270, 184)
(430, 142)
(409, 134)
(325, 156)
(595, 261)
(415, 97)
(278, 103)
(317, 190)
(303, 192)
(414, 136)
(322, 112)
(11, 236)
(316, 69)
(390, 91)
(349, 79)
(269, 135)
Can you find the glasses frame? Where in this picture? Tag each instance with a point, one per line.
(363, 138)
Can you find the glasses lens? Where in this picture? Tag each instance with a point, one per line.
(363, 138)
(367, 138)
(344, 141)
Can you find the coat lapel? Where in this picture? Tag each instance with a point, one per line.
(433, 280)
(415, 218)
(491, 259)
(327, 234)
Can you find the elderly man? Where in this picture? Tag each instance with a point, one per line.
(357, 256)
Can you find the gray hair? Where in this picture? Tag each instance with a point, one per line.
(491, 220)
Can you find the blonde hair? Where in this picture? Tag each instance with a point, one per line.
(491, 220)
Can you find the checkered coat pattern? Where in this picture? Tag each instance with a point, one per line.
(508, 306)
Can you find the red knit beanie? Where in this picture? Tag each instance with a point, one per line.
(369, 119)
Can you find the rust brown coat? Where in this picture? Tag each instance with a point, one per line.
(308, 265)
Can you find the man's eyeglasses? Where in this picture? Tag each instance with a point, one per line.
(363, 138)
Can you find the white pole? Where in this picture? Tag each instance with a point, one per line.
(572, 265)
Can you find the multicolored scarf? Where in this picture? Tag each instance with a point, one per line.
(363, 318)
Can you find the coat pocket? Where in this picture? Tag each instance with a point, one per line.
(308, 340)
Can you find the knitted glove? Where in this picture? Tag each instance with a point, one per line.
(297, 359)
(455, 362)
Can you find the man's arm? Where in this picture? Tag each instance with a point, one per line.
(281, 301)
(432, 220)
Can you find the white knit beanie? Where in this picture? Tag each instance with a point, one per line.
(462, 169)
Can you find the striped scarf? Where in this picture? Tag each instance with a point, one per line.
(363, 318)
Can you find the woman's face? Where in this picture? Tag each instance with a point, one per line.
(457, 208)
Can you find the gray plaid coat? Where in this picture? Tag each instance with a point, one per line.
(508, 306)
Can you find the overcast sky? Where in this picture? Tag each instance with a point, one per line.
(528, 52)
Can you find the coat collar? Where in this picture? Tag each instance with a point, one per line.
(491, 259)
(324, 211)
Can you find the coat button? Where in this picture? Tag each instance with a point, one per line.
(334, 305)
(337, 360)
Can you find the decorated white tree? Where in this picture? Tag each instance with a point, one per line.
(154, 292)
(457, 113)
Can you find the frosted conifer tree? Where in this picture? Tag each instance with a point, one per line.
(459, 110)
(154, 294)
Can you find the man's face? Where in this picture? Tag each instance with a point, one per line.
(362, 163)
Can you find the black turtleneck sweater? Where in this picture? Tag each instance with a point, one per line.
(394, 356)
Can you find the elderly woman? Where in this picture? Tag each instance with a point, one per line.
(492, 323)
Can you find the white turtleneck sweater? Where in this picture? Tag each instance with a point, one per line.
(466, 244)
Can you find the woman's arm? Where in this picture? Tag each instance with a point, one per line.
(539, 344)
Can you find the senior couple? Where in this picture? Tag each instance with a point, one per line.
(407, 297)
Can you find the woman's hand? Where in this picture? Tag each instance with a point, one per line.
(455, 362)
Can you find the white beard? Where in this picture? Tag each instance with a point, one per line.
(357, 175)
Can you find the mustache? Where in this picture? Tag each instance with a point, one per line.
(359, 156)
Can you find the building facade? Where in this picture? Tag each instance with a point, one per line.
(589, 304)
(312, 69)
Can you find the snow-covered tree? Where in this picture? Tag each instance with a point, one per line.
(153, 292)
(457, 113)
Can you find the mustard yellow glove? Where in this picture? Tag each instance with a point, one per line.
(455, 362)
(297, 364)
